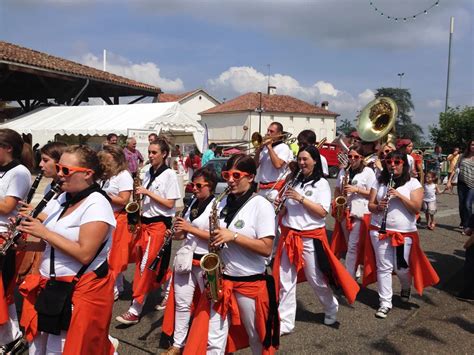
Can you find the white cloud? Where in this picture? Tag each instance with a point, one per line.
(240, 80)
(148, 72)
(437, 103)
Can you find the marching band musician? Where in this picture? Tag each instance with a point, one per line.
(399, 248)
(117, 182)
(189, 284)
(308, 137)
(271, 159)
(247, 312)
(78, 234)
(384, 150)
(15, 181)
(348, 233)
(160, 191)
(303, 249)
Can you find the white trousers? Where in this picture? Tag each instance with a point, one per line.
(352, 240)
(45, 343)
(386, 259)
(219, 327)
(10, 330)
(184, 287)
(316, 279)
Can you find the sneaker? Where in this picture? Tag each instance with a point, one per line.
(162, 305)
(382, 312)
(329, 320)
(115, 342)
(466, 297)
(405, 295)
(128, 318)
(116, 294)
(172, 350)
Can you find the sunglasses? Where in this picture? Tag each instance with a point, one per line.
(197, 185)
(236, 174)
(386, 151)
(394, 161)
(355, 157)
(69, 170)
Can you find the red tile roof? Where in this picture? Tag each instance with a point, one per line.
(270, 103)
(174, 97)
(14, 54)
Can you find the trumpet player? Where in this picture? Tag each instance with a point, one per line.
(248, 300)
(117, 182)
(308, 137)
(272, 158)
(354, 183)
(398, 248)
(14, 185)
(303, 250)
(159, 193)
(188, 280)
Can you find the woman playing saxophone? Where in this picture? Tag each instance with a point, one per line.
(247, 230)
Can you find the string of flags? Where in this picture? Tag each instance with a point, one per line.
(402, 18)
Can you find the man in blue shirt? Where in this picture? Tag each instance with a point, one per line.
(209, 154)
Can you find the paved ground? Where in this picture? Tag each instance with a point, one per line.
(433, 323)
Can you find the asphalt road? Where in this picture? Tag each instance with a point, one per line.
(435, 322)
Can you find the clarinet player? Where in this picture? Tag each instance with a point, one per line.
(398, 248)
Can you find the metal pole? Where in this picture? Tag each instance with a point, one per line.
(260, 115)
(451, 31)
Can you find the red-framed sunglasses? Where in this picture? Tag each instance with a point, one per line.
(394, 161)
(355, 157)
(198, 185)
(236, 174)
(69, 170)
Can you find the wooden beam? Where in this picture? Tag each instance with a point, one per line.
(116, 100)
(107, 100)
(137, 99)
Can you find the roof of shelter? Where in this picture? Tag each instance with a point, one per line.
(270, 103)
(165, 97)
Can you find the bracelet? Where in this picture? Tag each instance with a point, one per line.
(302, 199)
(235, 236)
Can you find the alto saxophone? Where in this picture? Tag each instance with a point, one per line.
(340, 203)
(133, 208)
(211, 262)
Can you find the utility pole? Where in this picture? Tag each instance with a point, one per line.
(451, 31)
(401, 76)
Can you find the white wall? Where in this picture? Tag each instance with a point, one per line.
(226, 126)
(197, 103)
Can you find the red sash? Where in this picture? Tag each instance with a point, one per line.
(276, 185)
(121, 245)
(292, 240)
(89, 328)
(420, 267)
(6, 295)
(237, 338)
(3, 304)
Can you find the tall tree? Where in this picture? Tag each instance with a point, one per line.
(454, 129)
(404, 125)
(345, 126)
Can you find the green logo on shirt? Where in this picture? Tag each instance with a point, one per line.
(308, 193)
(239, 224)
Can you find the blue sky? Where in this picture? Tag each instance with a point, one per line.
(334, 50)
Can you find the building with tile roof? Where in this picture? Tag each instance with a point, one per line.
(34, 78)
(235, 120)
(192, 102)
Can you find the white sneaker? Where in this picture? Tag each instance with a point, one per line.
(330, 320)
(115, 342)
(382, 312)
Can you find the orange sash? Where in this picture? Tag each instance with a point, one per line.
(6, 295)
(292, 241)
(3, 304)
(121, 245)
(144, 283)
(89, 328)
(420, 267)
(276, 185)
(237, 338)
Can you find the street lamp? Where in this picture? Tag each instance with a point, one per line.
(401, 75)
(260, 109)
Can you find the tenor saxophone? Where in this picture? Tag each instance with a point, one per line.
(211, 262)
(133, 208)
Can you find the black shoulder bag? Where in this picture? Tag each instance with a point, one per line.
(54, 302)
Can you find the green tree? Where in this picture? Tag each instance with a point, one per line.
(405, 128)
(454, 129)
(345, 126)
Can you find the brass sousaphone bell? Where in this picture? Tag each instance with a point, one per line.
(377, 120)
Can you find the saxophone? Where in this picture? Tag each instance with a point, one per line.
(211, 262)
(133, 208)
(340, 203)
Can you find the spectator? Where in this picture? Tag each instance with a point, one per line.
(152, 137)
(209, 154)
(418, 158)
(192, 163)
(467, 293)
(133, 156)
(176, 152)
(405, 146)
(437, 160)
(112, 139)
(453, 160)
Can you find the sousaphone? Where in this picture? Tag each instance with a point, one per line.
(377, 120)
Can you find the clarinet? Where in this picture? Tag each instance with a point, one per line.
(16, 234)
(383, 225)
(289, 184)
(33, 188)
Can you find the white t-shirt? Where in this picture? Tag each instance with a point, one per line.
(166, 186)
(398, 217)
(15, 182)
(297, 216)
(429, 192)
(324, 165)
(123, 181)
(202, 223)
(266, 171)
(255, 220)
(94, 207)
(365, 180)
(411, 162)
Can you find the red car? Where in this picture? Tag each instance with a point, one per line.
(330, 152)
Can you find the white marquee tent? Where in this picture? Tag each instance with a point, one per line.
(44, 123)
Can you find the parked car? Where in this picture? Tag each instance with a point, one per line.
(215, 164)
(330, 152)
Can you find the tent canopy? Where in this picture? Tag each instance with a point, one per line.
(43, 124)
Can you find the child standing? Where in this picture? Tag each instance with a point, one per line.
(429, 199)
